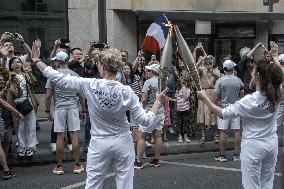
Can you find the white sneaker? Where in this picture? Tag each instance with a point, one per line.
(148, 144)
(53, 147)
(186, 139)
(180, 139)
(29, 152)
(171, 130)
(70, 147)
(21, 153)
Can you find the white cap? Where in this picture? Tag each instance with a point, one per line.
(229, 64)
(61, 55)
(281, 58)
(154, 67)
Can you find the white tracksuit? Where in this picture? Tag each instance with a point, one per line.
(259, 146)
(111, 142)
(27, 133)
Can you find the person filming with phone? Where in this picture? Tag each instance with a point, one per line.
(6, 41)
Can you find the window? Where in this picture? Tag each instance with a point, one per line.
(235, 32)
(34, 6)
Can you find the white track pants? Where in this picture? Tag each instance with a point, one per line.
(103, 153)
(258, 161)
(27, 132)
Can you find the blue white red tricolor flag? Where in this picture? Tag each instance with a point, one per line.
(156, 35)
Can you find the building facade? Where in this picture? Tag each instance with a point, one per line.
(224, 26)
(46, 19)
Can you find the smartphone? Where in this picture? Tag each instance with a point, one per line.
(99, 45)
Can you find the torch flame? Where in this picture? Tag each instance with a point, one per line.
(171, 25)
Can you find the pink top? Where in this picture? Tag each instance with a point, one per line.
(182, 98)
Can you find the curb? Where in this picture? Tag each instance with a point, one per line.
(169, 148)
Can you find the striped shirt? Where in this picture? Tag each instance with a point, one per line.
(182, 103)
(135, 85)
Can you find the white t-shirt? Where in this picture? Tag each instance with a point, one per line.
(23, 85)
(108, 101)
(258, 118)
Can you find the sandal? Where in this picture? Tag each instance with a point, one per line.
(202, 140)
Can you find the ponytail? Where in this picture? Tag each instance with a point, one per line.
(271, 77)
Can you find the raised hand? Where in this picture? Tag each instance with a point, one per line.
(57, 43)
(19, 38)
(273, 49)
(162, 95)
(37, 43)
(18, 116)
(4, 36)
(3, 52)
(35, 51)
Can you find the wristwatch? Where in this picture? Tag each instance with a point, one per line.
(38, 60)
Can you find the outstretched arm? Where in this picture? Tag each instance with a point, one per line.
(215, 109)
(9, 107)
(249, 55)
(25, 45)
(60, 79)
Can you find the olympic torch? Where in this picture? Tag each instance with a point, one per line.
(166, 61)
(187, 58)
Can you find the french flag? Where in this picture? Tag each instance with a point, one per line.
(156, 35)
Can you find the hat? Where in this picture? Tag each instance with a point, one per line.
(62, 56)
(229, 64)
(153, 67)
(281, 58)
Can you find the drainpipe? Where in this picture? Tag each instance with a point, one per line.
(102, 21)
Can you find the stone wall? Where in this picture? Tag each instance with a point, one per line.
(83, 23)
(194, 5)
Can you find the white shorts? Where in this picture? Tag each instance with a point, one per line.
(224, 124)
(64, 118)
(157, 124)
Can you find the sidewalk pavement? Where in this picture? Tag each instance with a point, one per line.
(45, 156)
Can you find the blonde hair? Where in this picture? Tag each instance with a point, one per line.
(112, 60)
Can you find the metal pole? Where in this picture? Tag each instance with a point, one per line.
(102, 21)
(66, 20)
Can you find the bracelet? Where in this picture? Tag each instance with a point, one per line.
(47, 111)
(37, 61)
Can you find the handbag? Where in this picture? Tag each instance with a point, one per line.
(25, 107)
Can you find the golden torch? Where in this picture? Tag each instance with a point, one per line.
(166, 61)
(187, 58)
